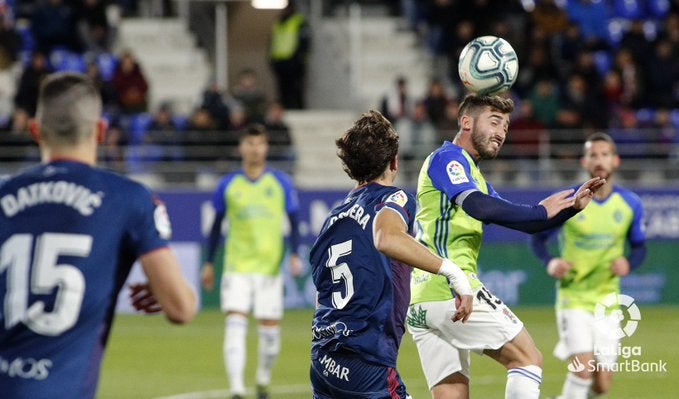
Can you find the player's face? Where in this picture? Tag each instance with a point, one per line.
(489, 132)
(600, 159)
(253, 150)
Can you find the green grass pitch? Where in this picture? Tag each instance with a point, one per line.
(149, 358)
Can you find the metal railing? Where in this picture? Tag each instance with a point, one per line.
(552, 161)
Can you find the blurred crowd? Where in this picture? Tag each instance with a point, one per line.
(585, 65)
(42, 36)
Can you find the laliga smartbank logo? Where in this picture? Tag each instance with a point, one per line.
(616, 317)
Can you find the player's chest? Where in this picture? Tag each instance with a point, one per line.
(612, 220)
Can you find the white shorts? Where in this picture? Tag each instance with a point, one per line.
(446, 345)
(245, 292)
(579, 332)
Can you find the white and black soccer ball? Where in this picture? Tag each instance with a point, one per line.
(488, 65)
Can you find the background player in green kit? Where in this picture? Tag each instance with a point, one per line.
(455, 201)
(591, 260)
(256, 200)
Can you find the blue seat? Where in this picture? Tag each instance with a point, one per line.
(107, 65)
(629, 9)
(615, 28)
(658, 8)
(674, 117)
(139, 124)
(27, 39)
(603, 61)
(645, 117)
(65, 60)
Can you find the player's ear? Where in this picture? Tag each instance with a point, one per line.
(393, 165)
(34, 129)
(102, 126)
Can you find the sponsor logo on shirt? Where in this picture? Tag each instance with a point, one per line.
(456, 173)
(26, 368)
(333, 368)
(399, 198)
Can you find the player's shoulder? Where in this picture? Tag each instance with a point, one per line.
(628, 195)
(280, 175)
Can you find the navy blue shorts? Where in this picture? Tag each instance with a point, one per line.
(344, 375)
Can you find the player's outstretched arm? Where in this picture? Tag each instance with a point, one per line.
(168, 285)
(392, 239)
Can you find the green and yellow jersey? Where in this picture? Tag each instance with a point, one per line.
(591, 241)
(442, 225)
(256, 212)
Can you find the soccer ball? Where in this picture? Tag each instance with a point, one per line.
(488, 65)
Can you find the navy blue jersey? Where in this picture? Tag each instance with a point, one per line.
(69, 234)
(362, 294)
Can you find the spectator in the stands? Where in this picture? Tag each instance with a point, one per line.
(248, 93)
(10, 39)
(53, 24)
(545, 100)
(26, 98)
(130, 85)
(213, 102)
(93, 27)
(164, 135)
(397, 102)
(632, 78)
(662, 71)
(280, 137)
(435, 101)
(106, 89)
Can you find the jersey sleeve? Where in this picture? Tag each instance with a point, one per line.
(401, 202)
(149, 227)
(450, 173)
(218, 198)
(291, 196)
(637, 233)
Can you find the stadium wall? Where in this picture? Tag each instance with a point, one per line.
(507, 265)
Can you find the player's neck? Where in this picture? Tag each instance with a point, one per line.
(253, 171)
(605, 190)
(75, 154)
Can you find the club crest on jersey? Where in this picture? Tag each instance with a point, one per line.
(456, 173)
(400, 198)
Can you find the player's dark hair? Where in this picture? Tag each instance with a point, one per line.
(367, 148)
(473, 104)
(599, 136)
(254, 129)
(68, 108)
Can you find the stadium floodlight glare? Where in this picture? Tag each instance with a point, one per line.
(269, 4)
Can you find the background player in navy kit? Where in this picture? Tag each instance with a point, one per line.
(69, 234)
(359, 266)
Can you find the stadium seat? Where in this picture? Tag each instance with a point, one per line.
(180, 121)
(139, 124)
(645, 117)
(602, 60)
(616, 28)
(629, 9)
(64, 60)
(107, 65)
(658, 8)
(27, 39)
(674, 117)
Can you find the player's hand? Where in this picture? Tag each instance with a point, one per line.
(207, 276)
(295, 265)
(557, 202)
(621, 267)
(558, 268)
(463, 307)
(586, 192)
(143, 300)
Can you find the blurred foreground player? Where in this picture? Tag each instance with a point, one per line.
(69, 234)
